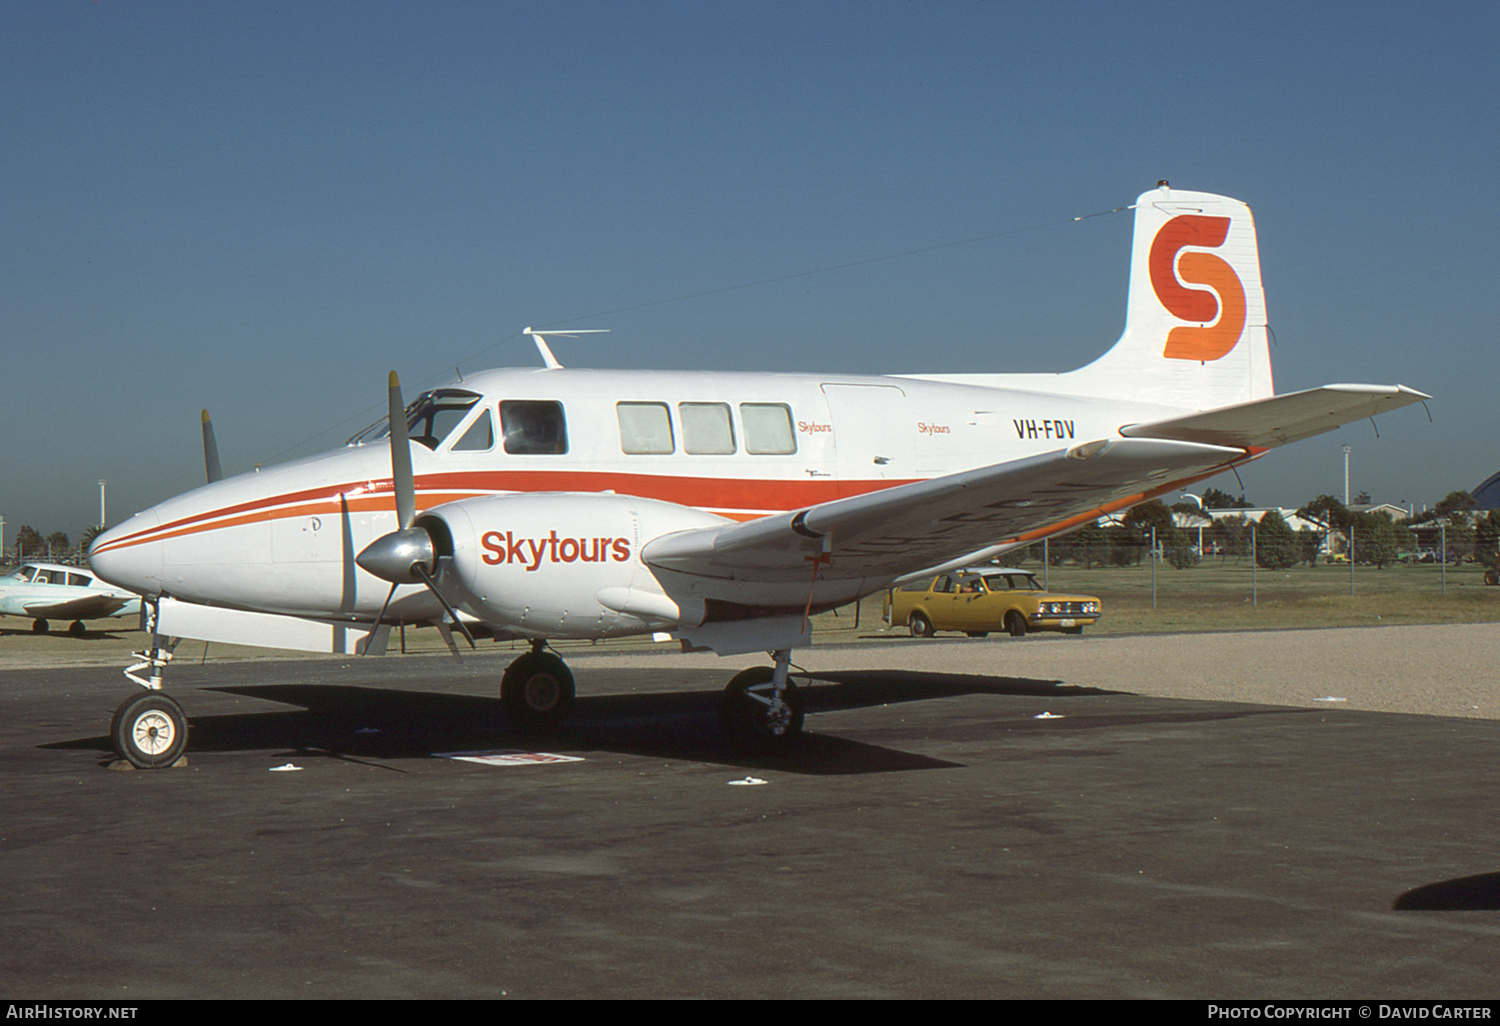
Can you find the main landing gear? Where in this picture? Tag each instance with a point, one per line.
(761, 710)
(537, 689)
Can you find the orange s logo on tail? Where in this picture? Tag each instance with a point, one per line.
(1209, 341)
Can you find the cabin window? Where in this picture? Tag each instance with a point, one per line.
(480, 437)
(645, 428)
(533, 427)
(706, 429)
(768, 428)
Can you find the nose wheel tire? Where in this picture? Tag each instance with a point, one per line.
(537, 690)
(750, 718)
(149, 731)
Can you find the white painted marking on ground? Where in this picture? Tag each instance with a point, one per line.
(507, 757)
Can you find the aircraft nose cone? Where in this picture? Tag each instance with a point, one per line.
(129, 556)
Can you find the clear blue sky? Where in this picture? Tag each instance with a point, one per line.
(262, 208)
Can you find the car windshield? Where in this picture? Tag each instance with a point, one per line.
(1011, 582)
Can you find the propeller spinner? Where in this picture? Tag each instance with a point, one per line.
(406, 555)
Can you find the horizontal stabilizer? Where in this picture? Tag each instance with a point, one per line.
(1279, 419)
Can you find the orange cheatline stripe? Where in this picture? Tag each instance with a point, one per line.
(738, 498)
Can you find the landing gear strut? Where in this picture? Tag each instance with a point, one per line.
(150, 731)
(537, 689)
(761, 710)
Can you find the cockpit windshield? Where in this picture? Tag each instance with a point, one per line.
(429, 419)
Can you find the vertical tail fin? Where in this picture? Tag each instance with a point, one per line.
(1195, 325)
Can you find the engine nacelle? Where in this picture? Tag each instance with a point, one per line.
(559, 564)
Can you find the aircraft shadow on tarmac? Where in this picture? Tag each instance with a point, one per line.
(1466, 894)
(356, 722)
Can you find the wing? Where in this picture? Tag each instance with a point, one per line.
(87, 607)
(1279, 419)
(886, 534)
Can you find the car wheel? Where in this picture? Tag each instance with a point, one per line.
(921, 627)
(1016, 624)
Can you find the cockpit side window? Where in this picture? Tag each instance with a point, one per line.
(434, 414)
(429, 419)
(533, 427)
(480, 437)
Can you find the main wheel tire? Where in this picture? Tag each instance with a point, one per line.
(746, 718)
(39, 626)
(537, 690)
(77, 629)
(149, 731)
(921, 627)
(1016, 624)
(1492, 577)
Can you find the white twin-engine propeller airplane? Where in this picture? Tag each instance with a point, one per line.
(724, 508)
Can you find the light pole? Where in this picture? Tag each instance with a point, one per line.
(1196, 499)
(102, 519)
(1346, 475)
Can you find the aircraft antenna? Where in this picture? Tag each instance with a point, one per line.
(539, 337)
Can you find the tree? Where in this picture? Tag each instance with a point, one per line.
(1331, 513)
(1461, 536)
(1187, 548)
(1487, 539)
(1377, 539)
(1215, 499)
(1091, 546)
(87, 541)
(1309, 544)
(57, 544)
(1275, 545)
(1230, 537)
(28, 540)
(1455, 502)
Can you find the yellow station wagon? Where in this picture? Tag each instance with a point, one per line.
(983, 599)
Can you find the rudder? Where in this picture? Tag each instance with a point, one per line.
(1195, 323)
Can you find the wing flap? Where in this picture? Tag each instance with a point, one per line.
(1279, 419)
(884, 534)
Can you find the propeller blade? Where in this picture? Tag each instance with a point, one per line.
(401, 474)
(432, 587)
(211, 451)
(389, 595)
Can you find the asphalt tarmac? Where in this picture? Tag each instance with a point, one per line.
(936, 835)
